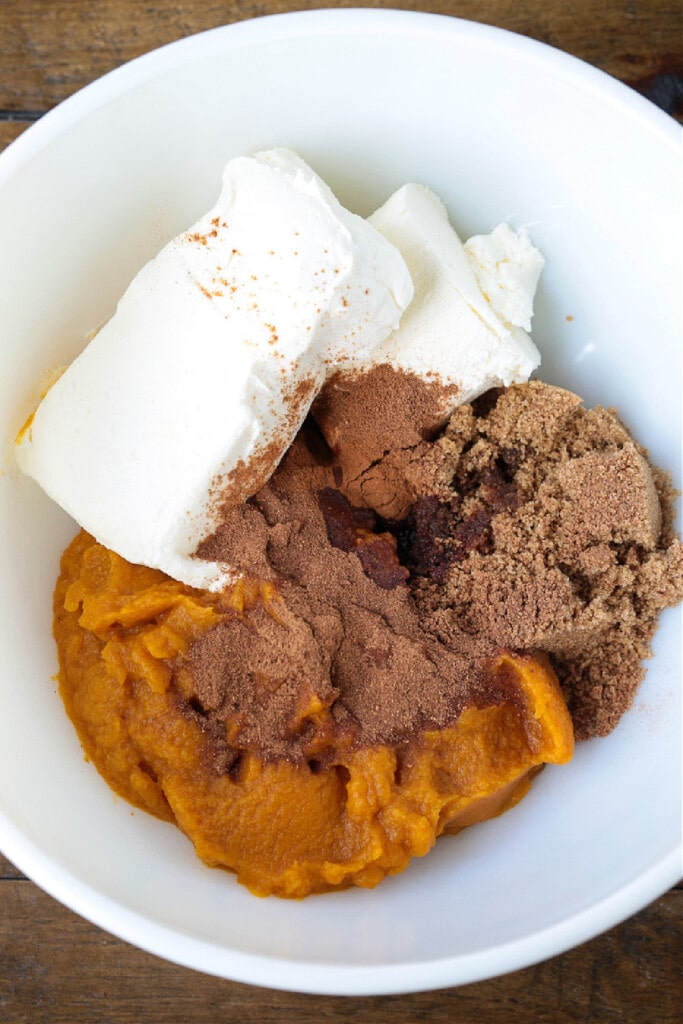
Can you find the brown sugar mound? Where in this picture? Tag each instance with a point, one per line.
(548, 530)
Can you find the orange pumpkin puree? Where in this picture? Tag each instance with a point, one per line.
(123, 632)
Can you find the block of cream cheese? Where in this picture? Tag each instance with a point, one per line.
(189, 395)
(470, 337)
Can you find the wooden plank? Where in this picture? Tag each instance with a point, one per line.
(11, 130)
(49, 50)
(8, 872)
(60, 969)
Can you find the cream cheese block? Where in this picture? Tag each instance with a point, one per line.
(467, 323)
(189, 395)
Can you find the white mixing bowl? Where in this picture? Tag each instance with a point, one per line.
(502, 128)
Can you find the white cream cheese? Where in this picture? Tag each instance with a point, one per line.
(453, 331)
(195, 387)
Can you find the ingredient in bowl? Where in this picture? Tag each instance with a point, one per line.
(453, 330)
(191, 393)
(350, 632)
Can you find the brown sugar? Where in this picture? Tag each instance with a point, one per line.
(567, 547)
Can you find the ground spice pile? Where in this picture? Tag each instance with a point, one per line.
(344, 634)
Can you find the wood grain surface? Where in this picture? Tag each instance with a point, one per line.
(56, 968)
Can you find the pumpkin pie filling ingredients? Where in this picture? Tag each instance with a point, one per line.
(316, 643)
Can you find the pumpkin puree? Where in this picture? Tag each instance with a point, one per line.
(289, 829)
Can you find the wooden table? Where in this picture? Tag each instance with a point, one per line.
(58, 969)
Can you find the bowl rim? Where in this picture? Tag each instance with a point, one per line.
(325, 21)
(332, 979)
(204, 956)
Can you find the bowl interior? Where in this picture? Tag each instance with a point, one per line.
(503, 129)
